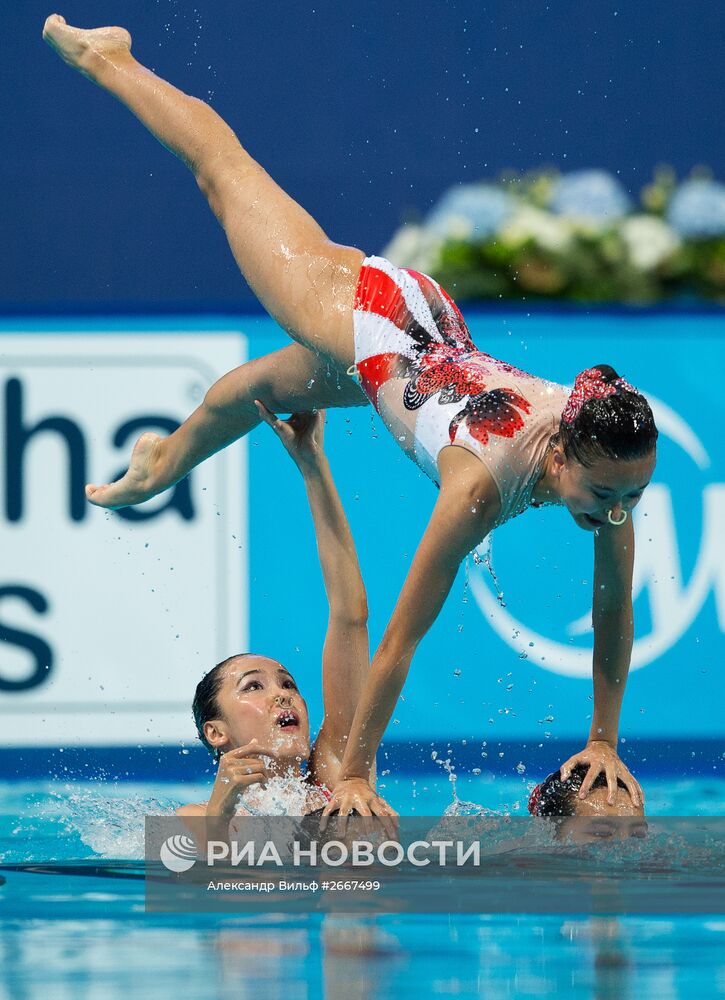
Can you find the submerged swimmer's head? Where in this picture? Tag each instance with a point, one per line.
(249, 697)
(592, 818)
(604, 453)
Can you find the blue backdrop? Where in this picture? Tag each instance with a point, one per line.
(510, 682)
(468, 679)
(365, 114)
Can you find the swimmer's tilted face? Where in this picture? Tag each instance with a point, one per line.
(589, 493)
(260, 700)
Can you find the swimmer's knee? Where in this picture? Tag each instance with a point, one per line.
(235, 391)
(218, 176)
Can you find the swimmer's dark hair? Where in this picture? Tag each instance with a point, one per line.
(620, 427)
(205, 705)
(554, 797)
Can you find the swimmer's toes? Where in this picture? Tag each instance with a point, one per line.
(96, 494)
(105, 496)
(117, 495)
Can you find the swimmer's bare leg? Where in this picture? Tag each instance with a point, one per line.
(306, 282)
(286, 381)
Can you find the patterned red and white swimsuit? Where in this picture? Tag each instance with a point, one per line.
(417, 364)
(327, 794)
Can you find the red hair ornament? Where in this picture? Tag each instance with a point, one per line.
(591, 384)
(535, 799)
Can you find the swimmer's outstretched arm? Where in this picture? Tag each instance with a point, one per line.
(467, 508)
(613, 622)
(346, 652)
(304, 280)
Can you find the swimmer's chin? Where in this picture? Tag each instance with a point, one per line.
(582, 521)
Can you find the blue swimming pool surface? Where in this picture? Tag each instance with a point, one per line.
(70, 933)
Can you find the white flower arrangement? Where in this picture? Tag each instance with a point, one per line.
(649, 241)
(575, 236)
(529, 223)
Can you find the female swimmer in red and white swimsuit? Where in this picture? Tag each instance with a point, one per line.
(494, 438)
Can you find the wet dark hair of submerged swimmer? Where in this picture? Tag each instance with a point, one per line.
(605, 418)
(554, 797)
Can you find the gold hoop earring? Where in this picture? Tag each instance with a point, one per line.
(617, 523)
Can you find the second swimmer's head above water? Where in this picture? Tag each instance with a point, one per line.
(604, 453)
(248, 697)
(591, 818)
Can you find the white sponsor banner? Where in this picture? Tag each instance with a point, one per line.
(108, 620)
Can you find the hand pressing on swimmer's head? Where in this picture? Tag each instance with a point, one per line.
(600, 757)
(354, 795)
(238, 769)
(302, 435)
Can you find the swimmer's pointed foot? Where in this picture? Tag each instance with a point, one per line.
(85, 49)
(141, 481)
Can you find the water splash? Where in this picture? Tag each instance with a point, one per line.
(74, 821)
(287, 795)
(457, 806)
(484, 554)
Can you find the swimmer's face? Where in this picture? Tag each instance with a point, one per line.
(594, 819)
(608, 485)
(259, 699)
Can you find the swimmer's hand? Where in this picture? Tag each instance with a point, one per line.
(238, 769)
(356, 794)
(600, 757)
(302, 435)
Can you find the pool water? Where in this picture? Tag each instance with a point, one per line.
(83, 931)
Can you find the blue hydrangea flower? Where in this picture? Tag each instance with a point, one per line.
(592, 194)
(697, 209)
(470, 211)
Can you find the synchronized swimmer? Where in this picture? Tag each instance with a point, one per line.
(495, 439)
(249, 712)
